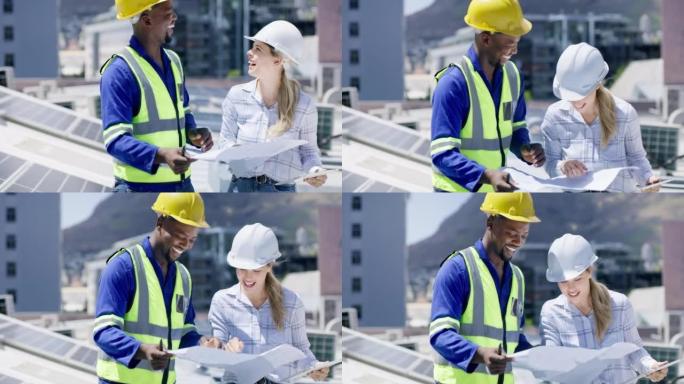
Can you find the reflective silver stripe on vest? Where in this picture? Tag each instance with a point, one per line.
(154, 124)
(481, 368)
(512, 76)
(143, 364)
(478, 141)
(143, 326)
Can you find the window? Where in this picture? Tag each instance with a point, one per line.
(11, 242)
(356, 284)
(354, 56)
(356, 230)
(9, 59)
(11, 269)
(9, 33)
(355, 82)
(356, 257)
(8, 6)
(353, 4)
(356, 203)
(11, 215)
(353, 29)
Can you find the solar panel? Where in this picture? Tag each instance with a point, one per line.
(664, 353)
(384, 134)
(322, 345)
(9, 165)
(38, 178)
(352, 182)
(85, 355)
(9, 380)
(386, 355)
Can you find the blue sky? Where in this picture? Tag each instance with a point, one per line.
(426, 211)
(411, 6)
(77, 207)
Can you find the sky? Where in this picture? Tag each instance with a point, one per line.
(411, 6)
(77, 207)
(426, 211)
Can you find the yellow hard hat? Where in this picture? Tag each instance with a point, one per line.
(504, 16)
(125, 9)
(187, 208)
(516, 206)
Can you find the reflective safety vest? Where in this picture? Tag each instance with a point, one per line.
(147, 322)
(482, 322)
(159, 121)
(486, 136)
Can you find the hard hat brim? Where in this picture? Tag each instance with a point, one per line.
(522, 219)
(523, 29)
(570, 95)
(287, 55)
(567, 275)
(235, 263)
(200, 224)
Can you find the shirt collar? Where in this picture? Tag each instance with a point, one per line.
(475, 59)
(251, 88)
(236, 292)
(149, 252)
(140, 50)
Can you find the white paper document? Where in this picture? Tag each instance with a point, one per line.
(241, 367)
(532, 179)
(302, 375)
(570, 365)
(321, 172)
(248, 151)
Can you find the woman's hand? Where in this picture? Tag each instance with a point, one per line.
(210, 342)
(573, 168)
(318, 180)
(234, 345)
(652, 180)
(320, 374)
(660, 374)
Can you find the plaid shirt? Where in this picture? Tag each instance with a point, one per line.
(246, 120)
(562, 324)
(568, 137)
(232, 315)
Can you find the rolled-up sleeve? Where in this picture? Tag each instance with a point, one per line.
(309, 152)
(217, 318)
(548, 329)
(634, 148)
(229, 126)
(640, 360)
(552, 145)
(299, 338)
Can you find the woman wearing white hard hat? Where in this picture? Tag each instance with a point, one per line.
(272, 107)
(590, 128)
(588, 315)
(258, 314)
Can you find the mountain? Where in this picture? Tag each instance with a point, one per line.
(443, 17)
(123, 216)
(629, 218)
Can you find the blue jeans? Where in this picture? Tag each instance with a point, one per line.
(251, 184)
(181, 186)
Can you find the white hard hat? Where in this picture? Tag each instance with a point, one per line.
(579, 71)
(569, 256)
(284, 37)
(254, 246)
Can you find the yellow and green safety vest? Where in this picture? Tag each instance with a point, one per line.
(159, 121)
(486, 136)
(482, 322)
(147, 322)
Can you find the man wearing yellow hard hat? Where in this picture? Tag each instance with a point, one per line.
(478, 298)
(478, 107)
(143, 305)
(145, 107)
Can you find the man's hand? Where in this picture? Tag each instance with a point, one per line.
(494, 359)
(201, 138)
(174, 158)
(533, 154)
(210, 342)
(573, 168)
(500, 181)
(234, 345)
(155, 354)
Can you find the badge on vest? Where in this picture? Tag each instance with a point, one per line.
(180, 93)
(180, 303)
(516, 308)
(508, 110)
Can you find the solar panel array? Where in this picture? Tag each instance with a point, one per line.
(353, 182)
(9, 380)
(384, 355)
(323, 345)
(48, 117)
(386, 135)
(47, 344)
(664, 353)
(18, 175)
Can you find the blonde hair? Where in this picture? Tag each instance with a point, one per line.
(606, 109)
(274, 291)
(288, 97)
(600, 303)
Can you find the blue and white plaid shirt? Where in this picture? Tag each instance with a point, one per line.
(246, 120)
(568, 137)
(562, 324)
(232, 315)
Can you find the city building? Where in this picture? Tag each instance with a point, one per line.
(673, 58)
(330, 262)
(673, 265)
(367, 25)
(24, 261)
(329, 31)
(374, 258)
(28, 40)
